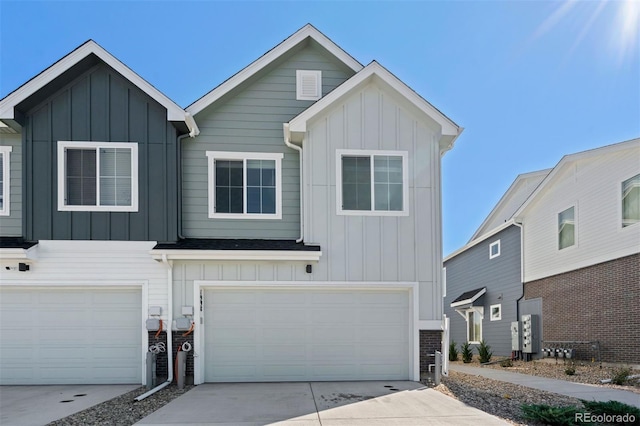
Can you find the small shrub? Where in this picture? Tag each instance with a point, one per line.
(506, 363)
(467, 353)
(484, 352)
(549, 415)
(620, 376)
(570, 370)
(613, 408)
(453, 351)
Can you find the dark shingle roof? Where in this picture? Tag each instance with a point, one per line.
(236, 244)
(468, 295)
(16, 243)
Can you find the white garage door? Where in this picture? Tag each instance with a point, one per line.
(70, 336)
(299, 335)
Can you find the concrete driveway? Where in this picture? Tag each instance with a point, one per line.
(39, 405)
(317, 403)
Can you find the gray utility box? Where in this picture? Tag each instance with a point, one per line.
(515, 336)
(530, 334)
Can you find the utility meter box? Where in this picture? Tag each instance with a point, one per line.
(155, 310)
(515, 336)
(153, 324)
(530, 334)
(183, 323)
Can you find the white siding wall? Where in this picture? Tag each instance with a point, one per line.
(92, 263)
(593, 186)
(371, 248)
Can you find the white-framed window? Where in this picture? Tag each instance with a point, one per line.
(5, 183)
(474, 325)
(496, 312)
(373, 183)
(631, 201)
(494, 249)
(444, 282)
(245, 185)
(98, 176)
(308, 85)
(566, 228)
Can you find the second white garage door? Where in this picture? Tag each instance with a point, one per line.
(299, 335)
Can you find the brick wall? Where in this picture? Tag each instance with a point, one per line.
(161, 360)
(599, 302)
(430, 341)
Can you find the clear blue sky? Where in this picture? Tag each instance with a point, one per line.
(530, 81)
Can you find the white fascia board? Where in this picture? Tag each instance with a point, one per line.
(430, 325)
(266, 59)
(19, 253)
(480, 239)
(236, 255)
(507, 195)
(174, 112)
(547, 182)
(448, 127)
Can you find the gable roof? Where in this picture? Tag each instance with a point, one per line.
(521, 188)
(308, 31)
(450, 130)
(9, 102)
(550, 179)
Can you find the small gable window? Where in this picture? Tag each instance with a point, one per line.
(4, 180)
(631, 201)
(97, 176)
(244, 185)
(494, 249)
(566, 228)
(308, 85)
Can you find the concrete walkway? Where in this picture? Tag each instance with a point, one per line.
(563, 387)
(318, 403)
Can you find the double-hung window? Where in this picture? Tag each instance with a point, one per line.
(631, 201)
(474, 325)
(373, 183)
(5, 183)
(245, 185)
(98, 176)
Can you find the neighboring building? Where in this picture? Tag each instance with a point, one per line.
(580, 257)
(490, 264)
(284, 224)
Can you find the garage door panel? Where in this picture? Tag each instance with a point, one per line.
(70, 336)
(306, 334)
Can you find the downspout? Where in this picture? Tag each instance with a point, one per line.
(193, 132)
(287, 142)
(519, 225)
(169, 336)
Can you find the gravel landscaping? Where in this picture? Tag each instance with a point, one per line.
(498, 398)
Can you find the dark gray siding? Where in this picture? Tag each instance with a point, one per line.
(249, 119)
(501, 276)
(100, 105)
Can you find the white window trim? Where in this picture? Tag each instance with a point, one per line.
(371, 153)
(6, 180)
(300, 96)
(243, 156)
(499, 316)
(479, 310)
(63, 145)
(493, 244)
(575, 228)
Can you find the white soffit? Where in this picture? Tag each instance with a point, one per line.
(252, 255)
(266, 59)
(174, 112)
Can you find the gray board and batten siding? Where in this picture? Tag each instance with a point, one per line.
(11, 225)
(99, 105)
(473, 269)
(249, 119)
